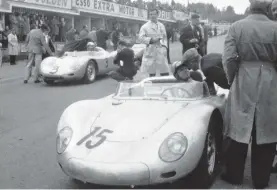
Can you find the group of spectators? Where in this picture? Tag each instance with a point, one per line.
(146, 5)
(24, 22)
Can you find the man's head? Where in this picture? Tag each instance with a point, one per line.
(85, 27)
(260, 6)
(91, 46)
(191, 59)
(153, 14)
(121, 45)
(13, 30)
(45, 29)
(180, 72)
(195, 19)
(93, 29)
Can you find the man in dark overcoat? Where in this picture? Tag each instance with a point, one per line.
(251, 107)
(190, 35)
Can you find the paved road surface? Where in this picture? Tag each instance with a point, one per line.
(28, 118)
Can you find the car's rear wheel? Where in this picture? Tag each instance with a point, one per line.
(91, 72)
(49, 82)
(205, 173)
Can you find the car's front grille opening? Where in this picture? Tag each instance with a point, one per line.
(168, 174)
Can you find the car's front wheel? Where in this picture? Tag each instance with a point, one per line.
(91, 72)
(205, 173)
(49, 82)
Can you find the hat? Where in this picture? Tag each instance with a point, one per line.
(90, 44)
(195, 16)
(190, 55)
(260, 5)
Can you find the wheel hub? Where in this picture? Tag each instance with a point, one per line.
(91, 72)
(211, 154)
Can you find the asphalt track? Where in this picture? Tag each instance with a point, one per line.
(28, 119)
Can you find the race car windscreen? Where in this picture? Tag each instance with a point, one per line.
(162, 90)
(77, 45)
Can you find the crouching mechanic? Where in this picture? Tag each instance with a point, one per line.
(212, 68)
(125, 59)
(210, 65)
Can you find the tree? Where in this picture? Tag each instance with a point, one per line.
(230, 10)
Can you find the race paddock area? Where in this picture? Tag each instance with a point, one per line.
(29, 114)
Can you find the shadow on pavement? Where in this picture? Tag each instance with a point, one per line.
(74, 83)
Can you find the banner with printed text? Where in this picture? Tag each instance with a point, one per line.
(110, 8)
(65, 4)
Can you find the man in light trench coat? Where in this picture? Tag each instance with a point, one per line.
(252, 102)
(153, 34)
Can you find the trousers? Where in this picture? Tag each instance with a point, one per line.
(33, 58)
(262, 157)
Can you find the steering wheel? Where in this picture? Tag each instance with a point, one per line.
(172, 88)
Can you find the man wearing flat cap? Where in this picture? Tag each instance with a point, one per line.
(249, 60)
(191, 36)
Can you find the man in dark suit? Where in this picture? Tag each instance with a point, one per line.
(205, 40)
(102, 37)
(191, 35)
(125, 59)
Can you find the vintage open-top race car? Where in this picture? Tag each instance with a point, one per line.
(77, 63)
(158, 130)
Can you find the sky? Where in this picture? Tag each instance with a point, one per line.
(239, 5)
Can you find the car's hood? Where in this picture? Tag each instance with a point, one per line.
(135, 120)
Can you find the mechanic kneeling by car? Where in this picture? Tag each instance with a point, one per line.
(125, 59)
(211, 66)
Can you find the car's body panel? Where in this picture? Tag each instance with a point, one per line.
(72, 65)
(139, 128)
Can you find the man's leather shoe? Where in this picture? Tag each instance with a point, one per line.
(25, 81)
(37, 81)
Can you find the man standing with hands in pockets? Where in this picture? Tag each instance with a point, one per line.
(153, 34)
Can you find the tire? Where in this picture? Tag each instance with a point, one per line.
(49, 82)
(91, 72)
(77, 182)
(206, 171)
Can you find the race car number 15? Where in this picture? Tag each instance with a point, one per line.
(101, 135)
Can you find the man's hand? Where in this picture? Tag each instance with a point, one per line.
(155, 39)
(194, 40)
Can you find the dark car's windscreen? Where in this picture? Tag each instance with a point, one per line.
(78, 45)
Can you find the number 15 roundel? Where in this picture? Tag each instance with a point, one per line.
(97, 132)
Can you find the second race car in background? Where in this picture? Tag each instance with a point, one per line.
(77, 63)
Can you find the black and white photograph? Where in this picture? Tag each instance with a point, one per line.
(138, 94)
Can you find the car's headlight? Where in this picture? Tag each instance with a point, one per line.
(173, 147)
(63, 139)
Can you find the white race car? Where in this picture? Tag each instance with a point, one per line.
(77, 63)
(155, 131)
